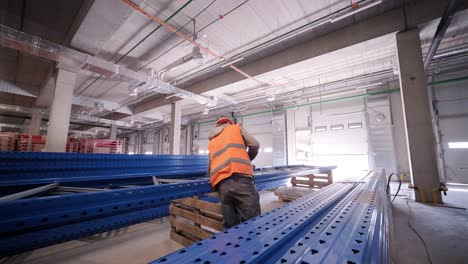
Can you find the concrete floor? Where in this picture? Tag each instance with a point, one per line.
(444, 230)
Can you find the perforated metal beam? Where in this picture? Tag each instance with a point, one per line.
(29, 224)
(342, 223)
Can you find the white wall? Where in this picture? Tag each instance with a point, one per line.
(452, 105)
(346, 148)
(260, 127)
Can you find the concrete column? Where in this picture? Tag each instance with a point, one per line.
(417, 116)
(174, 133)
(188, 140)
(35, 126)
(59, 117)
(291, 136)
(280, 153)
(113, 132)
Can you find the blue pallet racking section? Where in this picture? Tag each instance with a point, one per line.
(342, 223)
(41, 221)
(34, 168)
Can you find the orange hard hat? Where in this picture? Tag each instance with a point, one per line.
(223, 120)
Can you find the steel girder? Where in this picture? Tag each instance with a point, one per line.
(37, 222)
(342, 223)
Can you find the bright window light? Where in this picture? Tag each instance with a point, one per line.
(354, 125)
(320, 128)
(149, 152)
(268, 150)
(131, 153)
(458, 145)
(337, 127)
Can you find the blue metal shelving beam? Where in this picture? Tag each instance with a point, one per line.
(37, 222)
(34, 168)
(342, 223)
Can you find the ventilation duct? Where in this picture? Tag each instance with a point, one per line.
(196, 55)
(73, 59)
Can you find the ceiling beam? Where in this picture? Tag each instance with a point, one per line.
(417, 12)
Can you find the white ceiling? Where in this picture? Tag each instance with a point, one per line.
(252, 23)
(232, 27)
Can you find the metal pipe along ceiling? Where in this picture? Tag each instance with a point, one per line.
(36, 46)
(440, 32)
(297, 31)
(136, 45)
(187, 38)
(27, 110)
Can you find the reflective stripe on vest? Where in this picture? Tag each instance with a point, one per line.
(228, 155)
(238, 160)
(231, 145)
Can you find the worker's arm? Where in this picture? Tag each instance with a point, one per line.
(251, 143)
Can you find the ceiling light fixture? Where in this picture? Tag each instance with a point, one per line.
(369, 85)
(230, 62)
(307, 29)
(355, 11)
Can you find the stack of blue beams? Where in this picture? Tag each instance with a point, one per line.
(42, 221)
(342, 223)
(33, 168)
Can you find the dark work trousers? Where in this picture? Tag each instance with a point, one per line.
(239, 199)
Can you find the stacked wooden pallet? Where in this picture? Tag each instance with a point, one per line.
(313, 181)
(73, 145)
(32, 143)
(104, 146)
(193, 220)
(8, 141)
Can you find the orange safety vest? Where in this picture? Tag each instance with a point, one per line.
(228, 155)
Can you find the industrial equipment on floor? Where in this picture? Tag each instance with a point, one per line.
(346, 222)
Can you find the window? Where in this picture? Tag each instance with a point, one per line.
(267, 150)
(149, 152)
(320, 128)
(458, 145)
(354, 125)
(203, 151)
(337, 127)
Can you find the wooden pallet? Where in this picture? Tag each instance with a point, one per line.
(193, 220)
(313, 181)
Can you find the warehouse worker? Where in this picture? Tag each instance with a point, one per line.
(231, 171)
